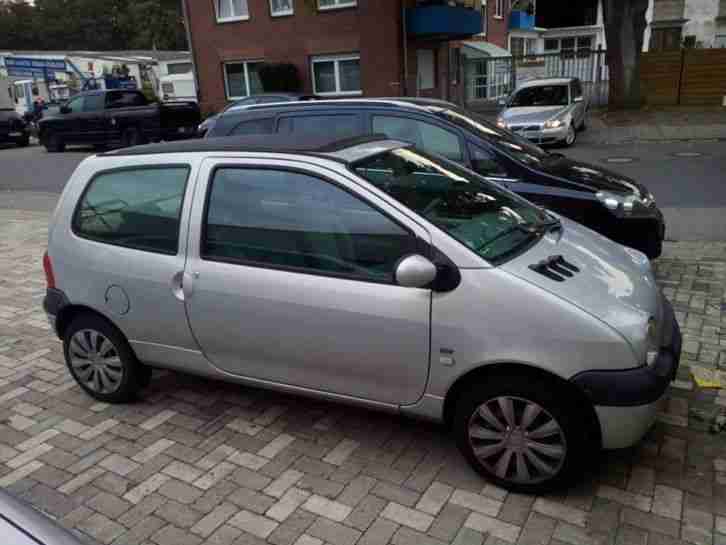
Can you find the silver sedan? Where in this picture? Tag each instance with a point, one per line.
(546, 111)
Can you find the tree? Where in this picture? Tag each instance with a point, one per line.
(624, 27)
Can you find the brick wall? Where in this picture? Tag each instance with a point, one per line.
(498, 28)
(373, 28)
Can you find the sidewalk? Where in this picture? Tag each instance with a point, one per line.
(655, 125)
(198, 462)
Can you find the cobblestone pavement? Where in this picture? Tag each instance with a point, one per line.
(198, 461)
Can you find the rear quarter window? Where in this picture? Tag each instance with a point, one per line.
(136, 208)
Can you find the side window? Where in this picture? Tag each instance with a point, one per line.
(76, 105)
(93, 103)
(256, 126)
(576, 89)
(426, 136)
(288, 220)
(485, 162)
(136, 208)
(123, 99)
(341, 126)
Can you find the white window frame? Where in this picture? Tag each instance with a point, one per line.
(339, 4)
(290, 11)
(336, 59)
(484, 18)
(247, 77)
(499, 9)
(236, 18)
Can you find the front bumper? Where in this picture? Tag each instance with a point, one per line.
(626, 401)
(542, 135)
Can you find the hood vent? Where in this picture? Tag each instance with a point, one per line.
(555, 268)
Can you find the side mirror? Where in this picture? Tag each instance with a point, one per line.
(415, 271)
(577, 99)
(65, 110)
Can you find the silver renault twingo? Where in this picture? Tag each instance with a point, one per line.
(368, 272)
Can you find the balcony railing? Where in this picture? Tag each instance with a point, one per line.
(441, 20)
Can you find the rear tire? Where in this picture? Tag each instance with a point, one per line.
(101, 360)
(23, 142)
(522, 432)
(54, 143)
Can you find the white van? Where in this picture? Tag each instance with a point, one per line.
(178, 87)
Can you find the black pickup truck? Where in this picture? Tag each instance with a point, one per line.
(117, 117)
(13, 128)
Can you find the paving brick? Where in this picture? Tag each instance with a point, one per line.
(407, 536)
(624, 497)
(250, 479)
(408, 517)
(642, 480)
(308, 540)
(434, 499)
(150, 485)
(140, 511)
(280, 485)
(178, 514)
(152, 450)
(537, 531)
(467, 536)
(50, 500)
(497, 528)
(209, 524)
(277, 445)
(341, 452)
(650, 522)
(379, 533)
(183, 472)
(668, 502)
(179, 491)
(101, 528)
(251, 500)
(109, 505)
(214, 475)
(516, 508)
(574, 535)
(327, 508)
(476, 502)
(224, 535)
(28, 456)
(171, 535)
(628, 535)
(697, 527)
(289, 531)
(397, 494)
(288, 503)
(141, 531)
(256, 525)
(119, 464)
(157, 420)
(560, 511)
(333, 532)
(365, 512)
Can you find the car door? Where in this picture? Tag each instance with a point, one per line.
(70, 126)
(342, 124)
(290, 274)
(91, 121)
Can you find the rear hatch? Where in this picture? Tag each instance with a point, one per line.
(175, 115)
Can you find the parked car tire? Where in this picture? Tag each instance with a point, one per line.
(23, 142)
(131, 137)
(54, 143)
(522, 432)
(101, 360)
(571, 137)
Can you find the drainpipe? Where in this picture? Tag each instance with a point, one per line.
(188, 28)
(405, 48)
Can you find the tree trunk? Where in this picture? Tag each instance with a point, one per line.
(624, 27)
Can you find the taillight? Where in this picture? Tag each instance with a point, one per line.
(48, 268)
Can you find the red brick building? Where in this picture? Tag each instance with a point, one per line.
(340, 47)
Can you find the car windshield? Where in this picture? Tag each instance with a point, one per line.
(491, 221)
(545, 95)
(512, 144)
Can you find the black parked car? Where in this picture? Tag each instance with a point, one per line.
(610, 203)
(265, 98)
(13, 128)
(114, 117)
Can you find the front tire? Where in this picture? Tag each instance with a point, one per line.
(101, 360)
(571, 137)
(522, 432)
(23, 142)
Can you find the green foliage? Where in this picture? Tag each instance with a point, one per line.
(279, 78)
(91, 25)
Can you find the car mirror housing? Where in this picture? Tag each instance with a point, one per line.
(415, 271)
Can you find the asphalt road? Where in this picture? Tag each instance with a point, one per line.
(690, 190)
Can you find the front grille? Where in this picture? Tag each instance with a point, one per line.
(526, 128)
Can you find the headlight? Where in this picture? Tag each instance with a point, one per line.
(625, 203)
(501, 124)
(652, 340)
(554, 124)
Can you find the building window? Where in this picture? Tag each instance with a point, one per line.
(335, 4)
(582, 45)
(231, 10)
(281, 7)
(498, 8)
(665, 39)
(520, 47)
(425, 61)
(241, 79)
(339, 75)
(179, 68)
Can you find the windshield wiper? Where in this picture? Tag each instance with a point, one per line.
(526, 228)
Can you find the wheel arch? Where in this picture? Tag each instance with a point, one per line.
(70, 312)
(501, 369)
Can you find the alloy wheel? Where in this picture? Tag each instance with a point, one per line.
(517, 440)
(95, 361)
